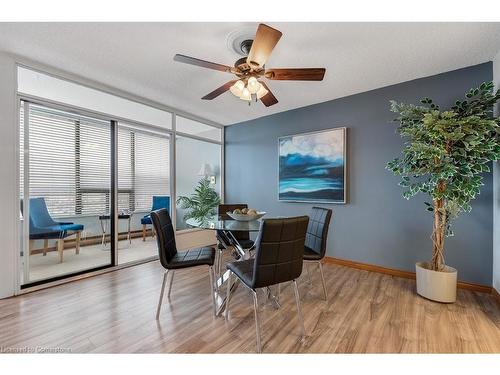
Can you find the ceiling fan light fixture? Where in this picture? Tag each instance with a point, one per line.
(253, 85)
(237, 88)
(235, 91)
(240, 85)
(245, 95)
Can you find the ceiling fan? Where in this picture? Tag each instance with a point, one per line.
(250, 70)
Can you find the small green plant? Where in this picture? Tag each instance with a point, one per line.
(202, 204)
(444, 155)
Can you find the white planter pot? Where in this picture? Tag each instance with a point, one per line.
(438, 286)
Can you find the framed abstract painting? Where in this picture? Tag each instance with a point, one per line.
(312, 167)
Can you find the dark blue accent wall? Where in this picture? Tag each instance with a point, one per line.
(377, 225)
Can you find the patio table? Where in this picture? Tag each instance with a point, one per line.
(103, 221)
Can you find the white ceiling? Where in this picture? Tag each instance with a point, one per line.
(137, 57)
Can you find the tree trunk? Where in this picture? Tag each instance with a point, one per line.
(438, 232)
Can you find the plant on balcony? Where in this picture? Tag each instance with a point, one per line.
(202, 204)
(444, 155)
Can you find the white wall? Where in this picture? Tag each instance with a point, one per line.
(496, 192)
(8, 175)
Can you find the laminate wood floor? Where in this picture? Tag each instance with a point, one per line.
(365, 313)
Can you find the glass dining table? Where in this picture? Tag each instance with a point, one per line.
(224, 230)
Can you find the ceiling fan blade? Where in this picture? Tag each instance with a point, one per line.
(296, 74)
(204, 64)
(218, 91)
(269, 99)
(263, 44)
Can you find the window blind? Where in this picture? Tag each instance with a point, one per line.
(69, 161)
(21, 151)
(143, 167)
(94, 160)
(126, 200)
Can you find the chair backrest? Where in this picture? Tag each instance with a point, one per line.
(317, 230)
(165, 236)
(279, 251)
(39, 214)
(221, 211)
(160, 201)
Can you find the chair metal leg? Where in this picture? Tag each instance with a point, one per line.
(309, 280)
(273, 298)
(171, 282)
(161, 294)
(323, 280)
(278, 292)
(228, 294)
(219, 263)
(144, 232)
(299, 311)
(212, 288)
(257, 320)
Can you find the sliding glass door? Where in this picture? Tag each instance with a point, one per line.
(65, 187)
(66, 205)
(143, 185)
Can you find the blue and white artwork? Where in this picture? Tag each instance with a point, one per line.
(312, 167)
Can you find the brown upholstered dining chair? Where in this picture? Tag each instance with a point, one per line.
(173, 260)
(279, 251)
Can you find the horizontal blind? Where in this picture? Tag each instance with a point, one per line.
(143, 167)
(52, 159)
(21, 151)
(69, 161)
(125, 169)
(95, 167)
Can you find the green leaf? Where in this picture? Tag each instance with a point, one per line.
(447, 148)
(202, 204)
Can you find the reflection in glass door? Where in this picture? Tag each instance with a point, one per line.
(65, 188)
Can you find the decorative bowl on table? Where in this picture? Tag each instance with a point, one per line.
(255, 215)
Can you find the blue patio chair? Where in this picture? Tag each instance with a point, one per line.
(43, 227)
(159, 201)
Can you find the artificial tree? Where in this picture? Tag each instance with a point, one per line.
(444, 155)
(203, 203)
